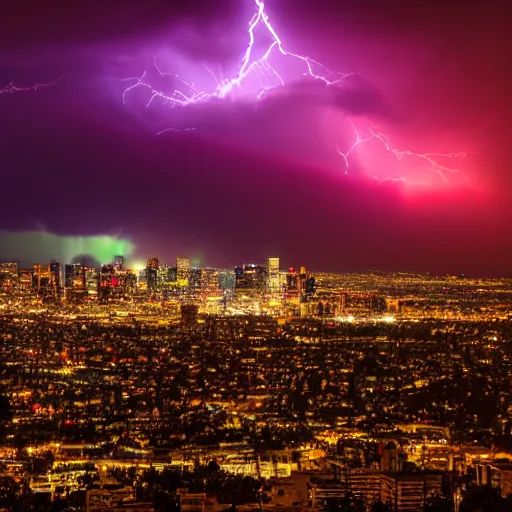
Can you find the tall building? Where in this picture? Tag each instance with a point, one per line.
(42, 281)
(167, 278)
(118, 262)
(108, 283)
(227, 285)
(8, 277)
(292, 282)
(310, 287)
(25, 282)
(162, 277)
(250, 278)
(55, 274)
(301, 282)
(273, 276)
(210, 281)
(183, 271)
(195, 278)
(92, 282)
(74, 275)
(128, 281)
(210, 290)
(152, 269)
(172, 275)
(117, 283)
(74, 281)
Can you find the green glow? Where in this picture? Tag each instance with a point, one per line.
(29, 247)
(196, 261)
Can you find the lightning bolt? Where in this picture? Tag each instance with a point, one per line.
(12, 87)
(359, 140)
(184, 92)
(268, 77)
(441, 170)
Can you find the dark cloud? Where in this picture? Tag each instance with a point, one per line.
(353, 95)
(260, 179)
(361, 97)
(86, 260)
(30, 24)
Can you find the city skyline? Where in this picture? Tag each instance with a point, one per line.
(136, 263)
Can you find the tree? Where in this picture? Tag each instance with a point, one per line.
(238, 490)
(213, 466)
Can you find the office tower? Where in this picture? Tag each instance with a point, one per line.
(167, 278)
(41, 280)
(250, 278)
(109, 283)
(273, 277)
(301, 282)
(210, 290)
(92, 281)
(25, 282)
(152, 268)
(74, 275)
(310, 287)
(183, 271)
(118, 262)
(74, 281)
(292, 282)
(56, 277)
(343, 302)
(128, 282)
(117, 283)
(194, 280)
(227, 285)
(68, 275)
(210, 281)
(8, 277)
(172, 275)
(162, 277)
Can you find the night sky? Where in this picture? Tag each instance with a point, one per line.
(263, 178)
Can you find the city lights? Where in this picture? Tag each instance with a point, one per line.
(271, 374)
